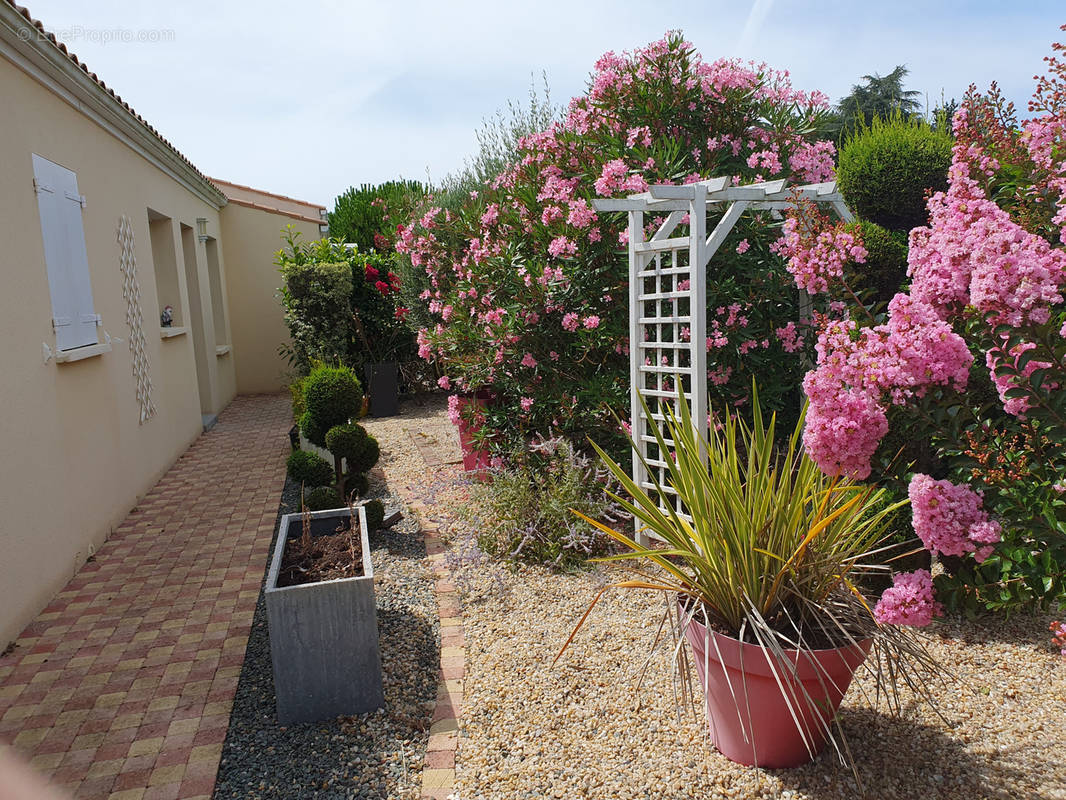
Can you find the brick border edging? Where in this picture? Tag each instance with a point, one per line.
(438, 772)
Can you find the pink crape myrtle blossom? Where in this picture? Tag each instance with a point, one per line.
(860, 371)
(1016, 406)
(949, 518)
(909, 601)
(843, 428)
(816, 252)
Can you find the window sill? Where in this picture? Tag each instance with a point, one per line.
(170, 333)
(222, 350)
(81, 353)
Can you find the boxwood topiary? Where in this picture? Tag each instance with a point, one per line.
(358, 448)
(321, 498)
(332, 396)
(356, 483)
(885, 267)
(375, 515)
(309, 469)
(886, 170)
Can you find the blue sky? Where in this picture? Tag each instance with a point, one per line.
(309, 98)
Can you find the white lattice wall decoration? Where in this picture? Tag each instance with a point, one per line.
(131, 290)
(667, 316)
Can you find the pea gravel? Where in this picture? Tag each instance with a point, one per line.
(377, 755)
(583, 728)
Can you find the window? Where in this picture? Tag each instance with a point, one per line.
(65, 258)
(165, 264)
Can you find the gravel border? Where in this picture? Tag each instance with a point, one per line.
(589, 728)
(374, 755)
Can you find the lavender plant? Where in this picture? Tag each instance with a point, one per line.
(524, 513)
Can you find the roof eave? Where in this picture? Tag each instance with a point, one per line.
(31, 50)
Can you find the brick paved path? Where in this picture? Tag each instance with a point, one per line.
(122, 686)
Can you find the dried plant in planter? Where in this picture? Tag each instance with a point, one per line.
(325, 557)
(759, 556)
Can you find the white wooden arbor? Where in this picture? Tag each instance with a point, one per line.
(662, 306)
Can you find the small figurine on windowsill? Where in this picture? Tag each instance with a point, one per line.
(166, 319)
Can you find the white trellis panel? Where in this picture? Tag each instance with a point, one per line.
(667, 317)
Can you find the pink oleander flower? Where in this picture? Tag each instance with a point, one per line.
(528, 360)
(790, 338)
(591, 322)
(443, 382)
(561, 246)
(571, 321)
(743, 247)
(453, 409)
(526, 403)
(909, 601)
(949, 518)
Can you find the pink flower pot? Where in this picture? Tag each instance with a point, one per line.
(474, 459)
(749, 717)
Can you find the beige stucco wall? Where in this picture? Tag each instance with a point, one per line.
(76, 458)
(251, 237)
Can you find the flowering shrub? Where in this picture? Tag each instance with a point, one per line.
(527, 283)
(967, 368)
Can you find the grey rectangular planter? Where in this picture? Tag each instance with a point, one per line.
(323, 636)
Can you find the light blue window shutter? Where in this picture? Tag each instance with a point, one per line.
(60, 206)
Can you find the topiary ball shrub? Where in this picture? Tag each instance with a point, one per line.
(375, 515)
(321, 498)
(885, 267)
(356, 484)
(886, 170)
(311, 431)
(357, 447)
(309, 469)
(332, 396)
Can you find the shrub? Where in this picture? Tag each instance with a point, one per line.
(355, 483)
(316, 296)
(321, 498)
(525, 513)
(309, 469)
(375, 514)
(332, 396)
(527, 283)
(342, 305)
(971, 362)
(887, 169)
(367, 216)
(885, 268)
(359, 449)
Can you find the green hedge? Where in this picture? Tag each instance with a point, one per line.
(886, 170)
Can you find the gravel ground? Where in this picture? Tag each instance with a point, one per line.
(590, 728)
(377, 755)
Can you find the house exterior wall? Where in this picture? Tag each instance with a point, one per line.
(76, 456)
(251, 238)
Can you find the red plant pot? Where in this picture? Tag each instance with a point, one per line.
(475, 459)
(750, 719)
